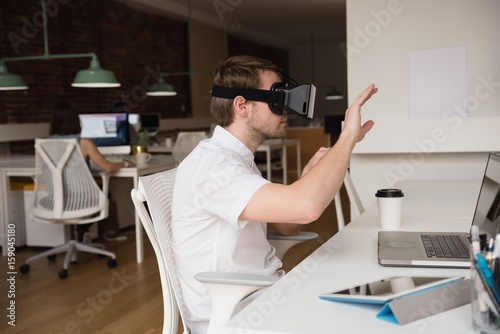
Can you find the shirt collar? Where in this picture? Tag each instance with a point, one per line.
(227, 140)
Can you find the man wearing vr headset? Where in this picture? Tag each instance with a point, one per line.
(222, 204)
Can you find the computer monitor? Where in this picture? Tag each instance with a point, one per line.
(109, 132)
(135, 121)
(150, 122)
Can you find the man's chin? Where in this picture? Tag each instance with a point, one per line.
(278, 134)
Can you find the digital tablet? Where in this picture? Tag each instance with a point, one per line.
(386, 289)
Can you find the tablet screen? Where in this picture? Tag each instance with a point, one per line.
(386, 289)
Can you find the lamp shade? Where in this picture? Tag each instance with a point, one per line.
(334, 94)
(95, 77)
(161, 89)
(9, 81)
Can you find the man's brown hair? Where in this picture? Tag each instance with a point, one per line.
(237, 72)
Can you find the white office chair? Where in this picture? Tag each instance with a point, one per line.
(227, 289)
(67, 193)
(186, 142)
(353, 196)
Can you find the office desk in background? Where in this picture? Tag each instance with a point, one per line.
(349, 258)
(268, 146)
(24, 166)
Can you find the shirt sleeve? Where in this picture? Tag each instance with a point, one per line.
(224, 186)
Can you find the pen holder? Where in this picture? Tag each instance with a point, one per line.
(485, 316)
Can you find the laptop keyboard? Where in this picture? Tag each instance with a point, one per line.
(445, 246)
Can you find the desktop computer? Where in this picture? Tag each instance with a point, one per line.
(109, 132)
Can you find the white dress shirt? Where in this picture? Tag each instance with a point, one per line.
(213, 185)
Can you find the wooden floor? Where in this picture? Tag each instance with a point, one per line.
(97, 299)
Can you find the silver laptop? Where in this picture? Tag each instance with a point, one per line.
(445, 250)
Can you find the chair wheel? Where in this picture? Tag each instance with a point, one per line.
(24, 268)
(112, 263)
(63, 273)
(51, 257)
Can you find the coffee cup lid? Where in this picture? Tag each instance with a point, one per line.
(389, 193)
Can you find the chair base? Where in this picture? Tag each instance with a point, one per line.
(71, 248)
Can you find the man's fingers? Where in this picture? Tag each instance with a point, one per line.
(366, 94)
(365, 128)
(368, 126)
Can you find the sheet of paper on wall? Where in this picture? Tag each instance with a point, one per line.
(438, 83)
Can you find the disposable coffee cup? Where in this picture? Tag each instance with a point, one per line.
(390, 202)
(401, 284)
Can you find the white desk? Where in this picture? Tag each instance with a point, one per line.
(350, 257)
(25, 166)
(268, 146)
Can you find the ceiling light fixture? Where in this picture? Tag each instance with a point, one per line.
(334, 94)
(93, 77)
(161, 89)
(164, 89)
(9, 81)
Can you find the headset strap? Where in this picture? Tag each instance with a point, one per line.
(251, 94)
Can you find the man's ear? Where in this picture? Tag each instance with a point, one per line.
(240, 106)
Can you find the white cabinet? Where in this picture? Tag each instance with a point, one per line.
(17, 214)
(42, 234)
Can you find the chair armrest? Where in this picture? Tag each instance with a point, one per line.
(227, 290)
(282, 243)
(302, 236)
(236, 279)
(105, 181)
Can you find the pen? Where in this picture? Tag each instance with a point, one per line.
(482, 241)
(482, 297)
(476, 246)
(488, 255)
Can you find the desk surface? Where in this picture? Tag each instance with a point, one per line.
(350, 257)
(28, 162)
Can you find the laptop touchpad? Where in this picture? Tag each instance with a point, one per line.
(400, 244)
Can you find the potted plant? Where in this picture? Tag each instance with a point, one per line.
(139, 142)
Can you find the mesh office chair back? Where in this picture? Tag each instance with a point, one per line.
(157, 190)
(64, 186)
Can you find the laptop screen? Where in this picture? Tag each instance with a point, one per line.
(487, 215)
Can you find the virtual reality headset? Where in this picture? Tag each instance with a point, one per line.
(282, 97)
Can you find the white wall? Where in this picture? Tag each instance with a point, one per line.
(380, 36)
(382, 33)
